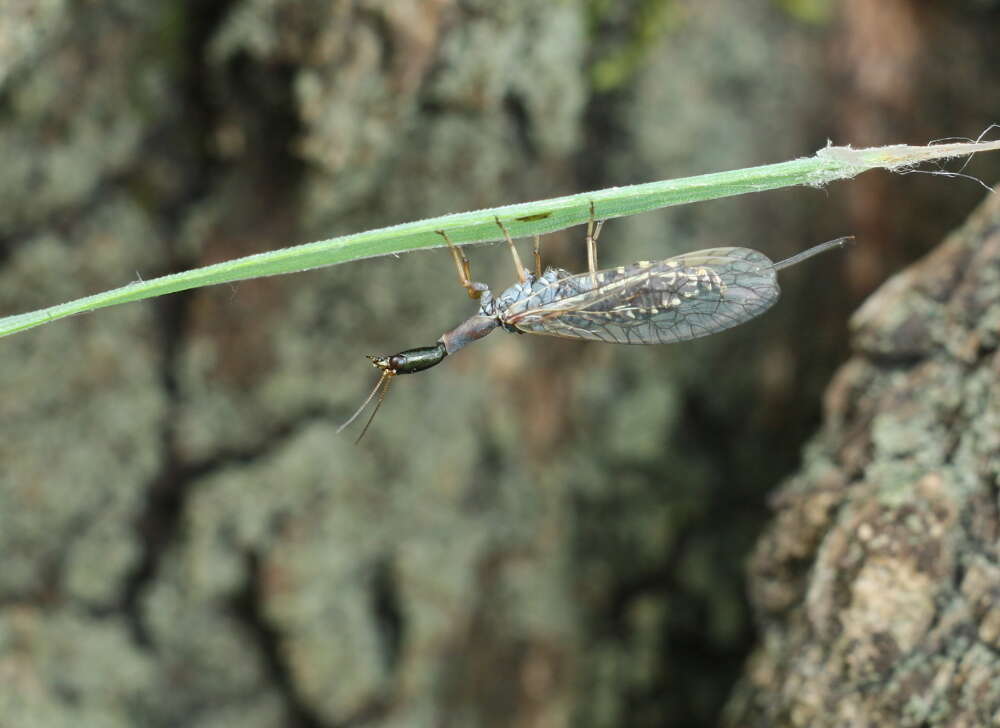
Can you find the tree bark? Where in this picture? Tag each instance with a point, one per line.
(875, 585)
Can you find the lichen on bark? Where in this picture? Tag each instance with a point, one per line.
(875, 585)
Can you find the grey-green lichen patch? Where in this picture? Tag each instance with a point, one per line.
(62, 668)
(389, 58)
(250, 27)
(81, 410)
(949, 302)
(907, 323)
(208, 663)
(545, 44)
(316, 546)
(916, 430)
(981, 403)
(67, 129)
(640, 423)
(66, 508)
(27, 27)
(891, 601)
(739, 104)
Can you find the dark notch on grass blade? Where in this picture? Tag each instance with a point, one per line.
(533, 218)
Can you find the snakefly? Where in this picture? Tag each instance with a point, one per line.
(658, 302)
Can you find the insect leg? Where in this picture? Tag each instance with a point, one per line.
(513, 251)
(475, 290)
(593, 232)
(538, 256)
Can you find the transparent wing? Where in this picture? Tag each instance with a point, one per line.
(677, 299)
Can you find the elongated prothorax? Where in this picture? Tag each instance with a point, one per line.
(468, 331)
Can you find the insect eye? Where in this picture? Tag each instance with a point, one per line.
(396, 362)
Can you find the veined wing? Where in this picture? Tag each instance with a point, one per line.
(680, 298)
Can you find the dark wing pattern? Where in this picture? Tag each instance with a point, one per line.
(677, 299)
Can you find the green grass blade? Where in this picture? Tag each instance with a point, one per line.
(529, 218)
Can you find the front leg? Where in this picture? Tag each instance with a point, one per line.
(464, 267)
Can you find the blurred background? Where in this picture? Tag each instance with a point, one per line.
(537, 532)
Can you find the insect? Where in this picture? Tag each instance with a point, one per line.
(648, 302)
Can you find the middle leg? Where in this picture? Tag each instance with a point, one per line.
(593, 232)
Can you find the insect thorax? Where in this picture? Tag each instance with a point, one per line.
(533, 292)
